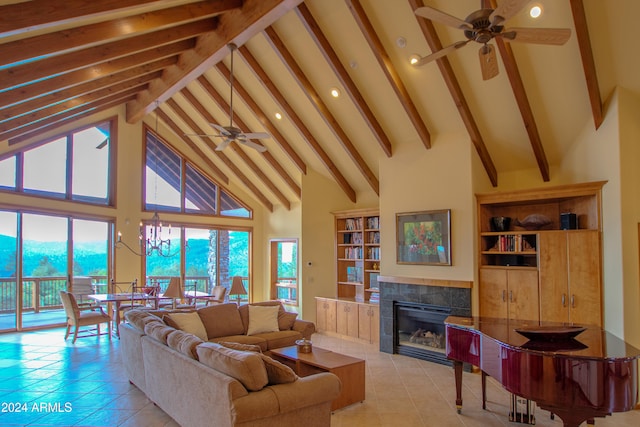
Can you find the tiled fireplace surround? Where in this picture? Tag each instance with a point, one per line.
(455, 295)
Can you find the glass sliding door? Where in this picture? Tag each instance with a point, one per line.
(90, 251)
(44, 269)
(284, 270)
(8, 270)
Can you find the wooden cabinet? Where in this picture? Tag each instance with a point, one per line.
(347, 318)
(570, 270)
(357, 253)
(548, 272)
(369, 322)
(326, 315)
(510, 293)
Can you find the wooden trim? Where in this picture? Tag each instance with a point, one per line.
(464, 284)
(544, 193)
(356, 212)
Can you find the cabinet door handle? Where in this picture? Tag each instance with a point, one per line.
(564, 300)
(573, 301)
(504, 295)
(510, 296)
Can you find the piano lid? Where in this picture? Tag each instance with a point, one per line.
(593, 343)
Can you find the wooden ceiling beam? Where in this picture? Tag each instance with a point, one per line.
(262, 117)
(75, 102)
(270, 127)
(235, 147)
(588, 62)
(313, 143)
(389, 70)
(300, 77)
(44, 68)
(237, 25)
(18, 136)
(430, 34)
(59, 96)
(60, 42)
(519, 92)
(332, 59)
(20, 17)
(66, 80)
(199, 152)
(171, 103)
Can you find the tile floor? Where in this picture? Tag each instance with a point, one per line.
(56, 383)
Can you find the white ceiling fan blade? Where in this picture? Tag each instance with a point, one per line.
(443, 18)
(224, 144)
(551, 36)
(256, 135)
(224, 131)
(442, 52)
(505, 10)
(255, 146)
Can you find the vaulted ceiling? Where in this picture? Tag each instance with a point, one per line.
(61, 60)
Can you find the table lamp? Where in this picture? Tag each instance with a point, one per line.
(237, 288)
(174, 290)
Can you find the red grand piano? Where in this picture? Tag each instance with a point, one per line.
(591, 375)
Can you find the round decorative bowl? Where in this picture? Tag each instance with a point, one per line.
(500, 223)
(304, 346)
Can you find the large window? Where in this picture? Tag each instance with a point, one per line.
(173, 184)
(77, 167)
(211, 257)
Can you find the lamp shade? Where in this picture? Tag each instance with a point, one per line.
(237, 288)
(175, 289)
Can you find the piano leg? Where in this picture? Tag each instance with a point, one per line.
(484, 390)
(457, 371)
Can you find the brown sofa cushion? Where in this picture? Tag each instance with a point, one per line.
(188, 322)
(158, 330)
(240, 346)
(244, 339)
(245, 366)
(184, 342)
(278, 373)
(139, 318)
(221, 320)
(286, 319)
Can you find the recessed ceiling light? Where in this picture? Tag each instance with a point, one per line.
(278, 116)
(535, 11)
(413, 59)
(335, 92)
(401, 42)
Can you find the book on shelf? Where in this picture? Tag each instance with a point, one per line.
(373, 222)
(354, 274)
(353, 224)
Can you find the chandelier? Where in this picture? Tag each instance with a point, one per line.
(154, 243)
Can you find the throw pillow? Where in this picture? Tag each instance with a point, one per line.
(240, 346)
(245, 366)
(221, 320)
(244, 311)
(278, 373)
(286, 319)
(189, 322)
(262, 319)
(184, 343)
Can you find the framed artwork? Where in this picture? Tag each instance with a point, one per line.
(424, 237)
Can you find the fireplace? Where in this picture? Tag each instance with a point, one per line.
(420, 331)
(425, 305)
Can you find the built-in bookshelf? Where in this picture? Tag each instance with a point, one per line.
(357, 254)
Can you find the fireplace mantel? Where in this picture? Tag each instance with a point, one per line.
(465, 284)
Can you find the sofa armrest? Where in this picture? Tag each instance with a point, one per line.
(305, 327)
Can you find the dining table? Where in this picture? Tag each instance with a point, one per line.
(125, 297)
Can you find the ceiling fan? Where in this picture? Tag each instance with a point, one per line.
(231, 133)
(484, 25)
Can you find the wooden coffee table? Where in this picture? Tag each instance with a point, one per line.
(349, 369)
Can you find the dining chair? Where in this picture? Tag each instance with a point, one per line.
(217, 295)
(80, 317)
